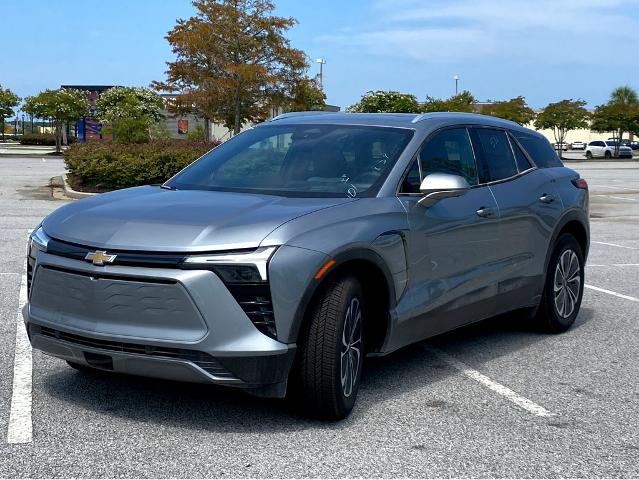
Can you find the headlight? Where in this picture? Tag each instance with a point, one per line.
(38, 241)
(237, 267)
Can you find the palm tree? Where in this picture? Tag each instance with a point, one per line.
(624, 95)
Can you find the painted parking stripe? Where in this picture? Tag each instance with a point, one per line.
(496, 387)
(610, 292)
(20, 424)
(614, 245)
(613, 265)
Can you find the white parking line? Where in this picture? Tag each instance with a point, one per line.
(610, 292)
(614, 187)
(614, 265)
(20, 424)
(614, 245)
(496, 387)
(616, 198)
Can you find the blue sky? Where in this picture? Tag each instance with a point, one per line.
(545, 50)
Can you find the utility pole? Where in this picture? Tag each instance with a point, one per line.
(321, 62)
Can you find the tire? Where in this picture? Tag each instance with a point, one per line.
(561, 298)
(329, 369)
(589, 155)
(607, 155)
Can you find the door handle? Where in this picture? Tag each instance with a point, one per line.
(485, 212)
(547, 198)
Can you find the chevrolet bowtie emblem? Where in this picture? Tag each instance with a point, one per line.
(100, 257)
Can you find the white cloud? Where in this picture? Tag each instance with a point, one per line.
(554, 31)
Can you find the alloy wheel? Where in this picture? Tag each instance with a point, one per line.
(567, 284)
(351, 349)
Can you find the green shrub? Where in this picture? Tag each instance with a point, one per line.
(115, 165)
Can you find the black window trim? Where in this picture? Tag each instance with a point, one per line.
(509, 133)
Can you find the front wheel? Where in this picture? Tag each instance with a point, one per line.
(331, 351)
(608, 155)
(564, 286)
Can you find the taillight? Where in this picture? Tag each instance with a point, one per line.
(580, 183)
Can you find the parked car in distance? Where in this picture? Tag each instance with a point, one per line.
(280, 259)
(633, 144)
(606, 149)
(577, 146)
(561, 146)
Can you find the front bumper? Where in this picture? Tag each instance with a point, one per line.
(164, 323)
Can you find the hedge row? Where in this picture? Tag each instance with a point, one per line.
(112, 165)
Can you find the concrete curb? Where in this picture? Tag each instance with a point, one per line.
(69, 192)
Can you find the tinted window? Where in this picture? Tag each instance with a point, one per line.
(539, 150)
(449, 151)
(522, 161)
(497, 157)
(299, 160)
(412, 181)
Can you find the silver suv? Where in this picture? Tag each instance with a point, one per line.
(280, 259)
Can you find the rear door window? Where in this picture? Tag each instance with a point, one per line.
(539, 150)
(522, 161)
(496, 156)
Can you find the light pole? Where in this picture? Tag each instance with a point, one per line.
(456, 78)
(321, 62)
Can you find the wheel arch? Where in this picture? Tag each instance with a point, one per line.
(376, 281)
(574, 222)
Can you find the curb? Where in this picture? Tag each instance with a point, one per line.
(69, 192)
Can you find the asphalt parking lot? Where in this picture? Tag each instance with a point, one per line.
(452, 406)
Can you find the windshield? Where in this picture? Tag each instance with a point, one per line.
(299, 160)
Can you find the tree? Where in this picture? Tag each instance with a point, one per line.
(8, 101)
(617, 118)
(624, 95)
(514, 109)
(462, 102)
(619, 115)
(131, 111)
(563, 116)
(386, 101)
(306, 95)
(232, 60)
(61, 105)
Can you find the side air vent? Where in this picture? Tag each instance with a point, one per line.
(255, 300)
(30, 266)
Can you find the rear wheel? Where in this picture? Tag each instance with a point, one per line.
(564, 286)
(331, 351)
(608, 155)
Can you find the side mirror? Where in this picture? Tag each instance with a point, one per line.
(438, 186)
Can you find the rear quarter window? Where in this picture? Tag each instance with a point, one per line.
(539, 150)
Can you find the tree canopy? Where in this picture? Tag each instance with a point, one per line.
(379, 101)
(619, 115)
(563, 116)
(61, 105)
(130, 111)
(233, 61)
(8, 101)
(514, 109)
(306, 95)
(462, 102)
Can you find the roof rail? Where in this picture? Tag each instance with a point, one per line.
(298, 114)
(424, 116)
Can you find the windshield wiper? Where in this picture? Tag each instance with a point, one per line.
(167, 187)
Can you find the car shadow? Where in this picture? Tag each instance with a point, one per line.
(219, 409)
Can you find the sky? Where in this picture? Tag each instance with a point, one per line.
(544, 50)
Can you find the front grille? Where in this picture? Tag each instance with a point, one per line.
(255, 300)
(203, 360)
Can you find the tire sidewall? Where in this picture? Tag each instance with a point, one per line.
(353, 290)
(555, 321)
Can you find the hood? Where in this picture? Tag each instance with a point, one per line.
(154, 219)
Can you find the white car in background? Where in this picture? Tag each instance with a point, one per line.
(577, 146)
(606, 149)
